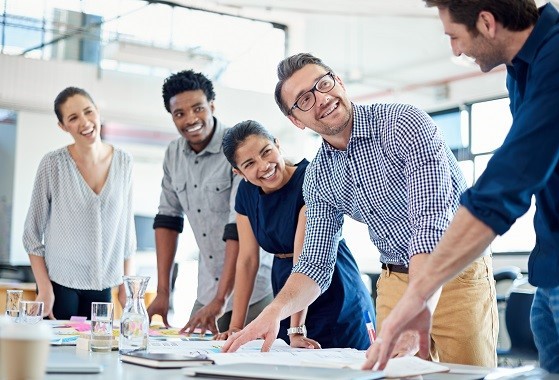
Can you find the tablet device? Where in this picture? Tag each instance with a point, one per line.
(164, 360)
(68, 362)
(280, 372)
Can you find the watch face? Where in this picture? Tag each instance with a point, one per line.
(297, 330)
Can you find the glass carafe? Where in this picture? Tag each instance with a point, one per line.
(134, 323)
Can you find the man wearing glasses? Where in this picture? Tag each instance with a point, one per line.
(385, 165)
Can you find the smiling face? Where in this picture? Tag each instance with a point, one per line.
(259, 161)
(193, 117)
(479, 46)
(331, 115)
(81, 119)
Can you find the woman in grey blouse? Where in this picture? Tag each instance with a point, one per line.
(79, 230)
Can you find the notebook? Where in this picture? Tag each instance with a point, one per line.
(68, 362)
(280, 372)
(164, 360)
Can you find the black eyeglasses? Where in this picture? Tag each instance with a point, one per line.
(306, 101)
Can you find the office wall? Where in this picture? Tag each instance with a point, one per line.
(30, 86)
(7, 157)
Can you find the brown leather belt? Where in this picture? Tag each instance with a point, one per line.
(283, 255)
(395, 268)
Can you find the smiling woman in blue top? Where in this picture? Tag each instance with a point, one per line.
(79, 230)
(271, 215)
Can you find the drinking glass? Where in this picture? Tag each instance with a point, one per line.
(12, 303)
(102, 326)
(30, 312)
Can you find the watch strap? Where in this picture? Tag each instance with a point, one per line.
(297, 330)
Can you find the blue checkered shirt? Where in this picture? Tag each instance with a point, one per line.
(397, 175)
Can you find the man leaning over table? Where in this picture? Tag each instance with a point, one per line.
(514, 33)
(385, 165)
(198, 181)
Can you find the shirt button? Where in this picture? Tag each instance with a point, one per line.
(217, 189)
(195, 186)
(211, 257)
(204, 234)
(217, 278)
(196, 161)
(199, 210)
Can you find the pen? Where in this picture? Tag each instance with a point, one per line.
(69, 339)
(369, 325)
(66, 340)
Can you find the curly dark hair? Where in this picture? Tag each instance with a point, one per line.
(186, 80)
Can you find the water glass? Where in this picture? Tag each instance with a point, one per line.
(12, 303)
(30, 312)
(102, 326)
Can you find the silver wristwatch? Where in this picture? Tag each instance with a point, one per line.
(297, 330)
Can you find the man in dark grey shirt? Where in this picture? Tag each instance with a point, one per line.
(199, 182)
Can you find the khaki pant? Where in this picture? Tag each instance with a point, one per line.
(465, 323)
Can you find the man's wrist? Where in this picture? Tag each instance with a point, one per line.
(220, 300)
(297, 330)
(163, 292)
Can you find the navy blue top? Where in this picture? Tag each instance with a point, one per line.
(527, 162)
(335, 319)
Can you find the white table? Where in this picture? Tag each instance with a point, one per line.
(115, 369)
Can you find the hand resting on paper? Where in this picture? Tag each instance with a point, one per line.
(301, 341)
(205, 319)
(407, 345)
(265, 326)
(226, 334)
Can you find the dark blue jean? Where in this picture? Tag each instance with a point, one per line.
(544, 319)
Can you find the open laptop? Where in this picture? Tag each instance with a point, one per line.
(68, 362)
(280, 372)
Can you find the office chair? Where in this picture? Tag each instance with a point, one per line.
(504, 278)
(517, 317)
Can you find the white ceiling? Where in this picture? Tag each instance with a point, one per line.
(381, 48)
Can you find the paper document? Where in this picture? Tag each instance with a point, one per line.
(398, 367)
(279, 372)
(412, 366)
(209, 347)
(162, 332)
(331, 358)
